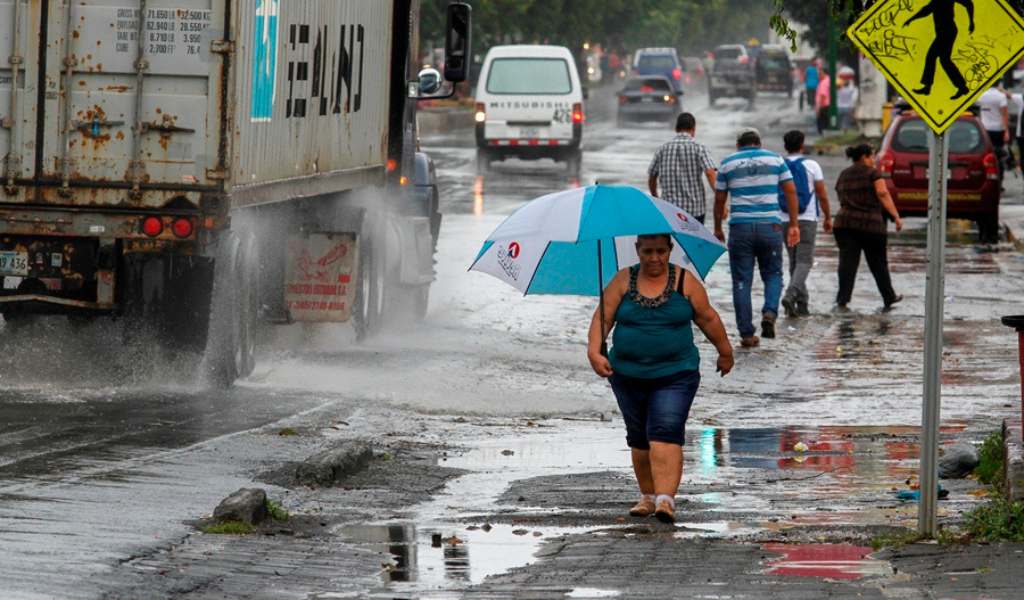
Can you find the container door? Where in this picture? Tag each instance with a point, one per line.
(19, 76)
(139, 101)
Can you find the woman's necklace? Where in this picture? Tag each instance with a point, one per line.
(655, 302)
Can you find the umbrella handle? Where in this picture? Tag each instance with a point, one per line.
(600, 294)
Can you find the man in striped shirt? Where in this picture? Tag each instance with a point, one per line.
(751, 178)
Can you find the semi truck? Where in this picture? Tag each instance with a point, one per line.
(196, 168)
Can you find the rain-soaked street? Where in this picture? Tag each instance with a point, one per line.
(500, 468)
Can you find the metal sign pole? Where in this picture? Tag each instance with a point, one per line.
(934, 311)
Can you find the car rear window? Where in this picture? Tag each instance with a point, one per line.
(964, 137)
(529, 76)
(657, 85)
(728, 53)
(773, 61)
(657, 62)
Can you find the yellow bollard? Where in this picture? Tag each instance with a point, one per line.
(886, 116)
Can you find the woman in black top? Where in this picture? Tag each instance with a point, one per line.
(860, 225)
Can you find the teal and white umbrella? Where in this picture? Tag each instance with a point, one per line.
(554, 244)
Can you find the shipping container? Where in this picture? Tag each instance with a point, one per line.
(191, 165)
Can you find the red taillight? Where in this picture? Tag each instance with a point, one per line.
(886, 162)
(744, 60)
(480, 114)
(577, 113)
(392, 164)
(991, 164)
(677, 74)
(152, 226)
(182, 227)
(622, 100)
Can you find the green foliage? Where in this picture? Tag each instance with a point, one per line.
(692, 26)
(895, 539)
(287, 432)
(996, 520)
(276, 511)
(228, 528)
(990, 459)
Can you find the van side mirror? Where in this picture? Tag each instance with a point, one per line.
(457, 44)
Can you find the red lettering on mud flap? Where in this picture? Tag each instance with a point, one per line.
(319, 269)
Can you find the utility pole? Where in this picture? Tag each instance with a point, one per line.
(833, 58)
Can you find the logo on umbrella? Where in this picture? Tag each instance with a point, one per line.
(514, 250)
(682, 217)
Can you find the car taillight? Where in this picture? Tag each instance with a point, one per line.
(182, 227)
(669, 99)
(886, 162)
(481, 113)
(391, 165)
(991, 164)
(152, 226)
(677, 74)
(577, 113)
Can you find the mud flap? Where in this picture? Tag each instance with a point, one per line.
(320, 276)
(417, 251)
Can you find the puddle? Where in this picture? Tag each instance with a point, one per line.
(592, 593)
(445, 558)
(828, 561)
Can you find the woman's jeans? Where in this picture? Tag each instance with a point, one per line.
(851, 243)
(750, 242)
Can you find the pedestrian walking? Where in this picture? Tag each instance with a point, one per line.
(823, 100)
(750, 179)
(654, 365)
(860, 226)
(810, 85)
(846, 102)
(995, 118)
(812, 199)
(679, 166)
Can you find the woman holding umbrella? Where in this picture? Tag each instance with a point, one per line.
(654, 364)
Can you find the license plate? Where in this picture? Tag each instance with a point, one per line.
(14, 263)
(647, 99)
(528, 132)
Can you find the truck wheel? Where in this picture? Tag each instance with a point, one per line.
(483, 162)
(230, 348)
(369, 298)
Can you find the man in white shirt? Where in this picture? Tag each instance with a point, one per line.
(995, 118)
(815, 195)
(846, 102)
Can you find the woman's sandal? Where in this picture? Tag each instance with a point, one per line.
(643, 508)
(666, 513)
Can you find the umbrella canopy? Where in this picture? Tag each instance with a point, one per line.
(554, 244)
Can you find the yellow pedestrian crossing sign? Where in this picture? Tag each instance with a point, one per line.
(940, 54)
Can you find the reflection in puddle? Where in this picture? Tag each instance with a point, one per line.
(450, 558)
(830, 561)
(592, 593)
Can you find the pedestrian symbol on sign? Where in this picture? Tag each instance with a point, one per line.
(943, 13)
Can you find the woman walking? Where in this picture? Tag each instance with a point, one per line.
(653, 366)
(860, 226)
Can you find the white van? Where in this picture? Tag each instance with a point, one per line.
(529, 105)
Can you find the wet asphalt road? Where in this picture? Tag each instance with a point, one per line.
(104, 461)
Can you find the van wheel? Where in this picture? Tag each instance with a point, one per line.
(483, 162)
(574, 163)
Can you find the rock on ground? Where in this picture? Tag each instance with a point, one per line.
(248, 505)
(330, 466)
(958, 461)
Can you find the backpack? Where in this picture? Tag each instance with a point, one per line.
(804, 195)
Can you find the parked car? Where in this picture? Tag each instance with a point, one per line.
(660, 61)
(974, 186)
(774, 70)
(529, 106)
(732, 74)
(648, 99)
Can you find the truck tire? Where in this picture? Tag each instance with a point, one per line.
(368, 307)
(230, 352)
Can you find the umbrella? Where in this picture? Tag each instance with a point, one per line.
(572, 242)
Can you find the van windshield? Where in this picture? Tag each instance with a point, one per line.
(656, 62)
(529, 76)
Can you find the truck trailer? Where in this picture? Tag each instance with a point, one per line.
(194, 168)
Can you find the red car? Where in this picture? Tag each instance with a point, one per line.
(974, 185)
